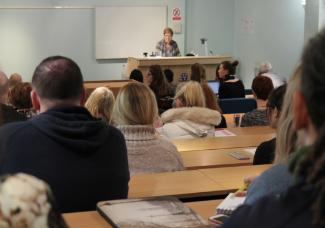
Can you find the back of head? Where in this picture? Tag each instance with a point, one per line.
(275, 99)
(136, 75)
(19, 96)
(313, 89)
(135, 105)
(26, 201)
(100, 103)
(58, 78)
(265, 67)
(14, 79)
(262, 87)
(169, 74)
(158, 84)
(4, 87)
(198, 73)
(191, 95)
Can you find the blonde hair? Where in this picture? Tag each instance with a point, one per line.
(135, 105)
(100, 103)
(191, 95)
(286, 135)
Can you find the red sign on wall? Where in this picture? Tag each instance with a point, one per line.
(176, 14)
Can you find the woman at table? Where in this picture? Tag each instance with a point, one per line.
(265, 151)
(230, 85)
(135, 112)
(190, 118)
(262, 87)
(163, 92)
(167, 47)
(198, 74)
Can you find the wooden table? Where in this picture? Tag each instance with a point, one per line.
(231, 178)
(91, 219)
(200, 159)
(211, 143)
(183, 184)
(192, 183)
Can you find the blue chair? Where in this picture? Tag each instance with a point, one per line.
(237, 105)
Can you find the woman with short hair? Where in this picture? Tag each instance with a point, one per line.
(100, 103)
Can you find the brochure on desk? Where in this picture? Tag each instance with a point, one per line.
(150, 212)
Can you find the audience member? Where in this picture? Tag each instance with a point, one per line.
(14, 79)
(230, 86)
(190, 118)
(261, 87)
(265, 151)
(100, 104)
(156, 80)
(136, 75)
(26, 201)
(19, 98)
(198, 74)
(266, 70)
(82, 159)
(169, 75)
(134, 113)
(8, 113)
(277, 179)
(302, 205)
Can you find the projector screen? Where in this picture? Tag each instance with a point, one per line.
(128, 31)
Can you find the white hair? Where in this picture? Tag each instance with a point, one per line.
(265, 67)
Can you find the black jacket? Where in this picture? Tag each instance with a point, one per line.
(231, 88)
(82, 159)
(265, 152)
(8, 115)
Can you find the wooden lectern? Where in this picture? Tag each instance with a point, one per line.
(181, 66)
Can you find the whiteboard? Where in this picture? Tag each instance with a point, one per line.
(125, 31)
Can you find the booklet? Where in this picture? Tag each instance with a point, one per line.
(150, 212)
(230, 203)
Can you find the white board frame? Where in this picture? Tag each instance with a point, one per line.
(128, 31)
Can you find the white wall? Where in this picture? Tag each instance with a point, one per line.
(268, 30)
(29, 35)
(211, 19)
(274, 31)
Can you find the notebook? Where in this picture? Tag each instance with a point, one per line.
(229, 204)
(150, 212)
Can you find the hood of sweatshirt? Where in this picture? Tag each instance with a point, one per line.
(72, 127)
(195, 114)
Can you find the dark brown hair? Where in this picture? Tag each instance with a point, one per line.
(168, 30)
(58, 77)
(262, 87)
(159, 84)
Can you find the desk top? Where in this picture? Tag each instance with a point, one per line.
(231, 178)
(192, 183)
(201, 159)
(189, 183)
(92, 219)
(210, 143)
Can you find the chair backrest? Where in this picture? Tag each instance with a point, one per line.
(237, 105)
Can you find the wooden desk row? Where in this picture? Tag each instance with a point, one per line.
(91, 219)
(192, 183)
(202, 159)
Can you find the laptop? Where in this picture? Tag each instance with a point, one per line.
(214, 84)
